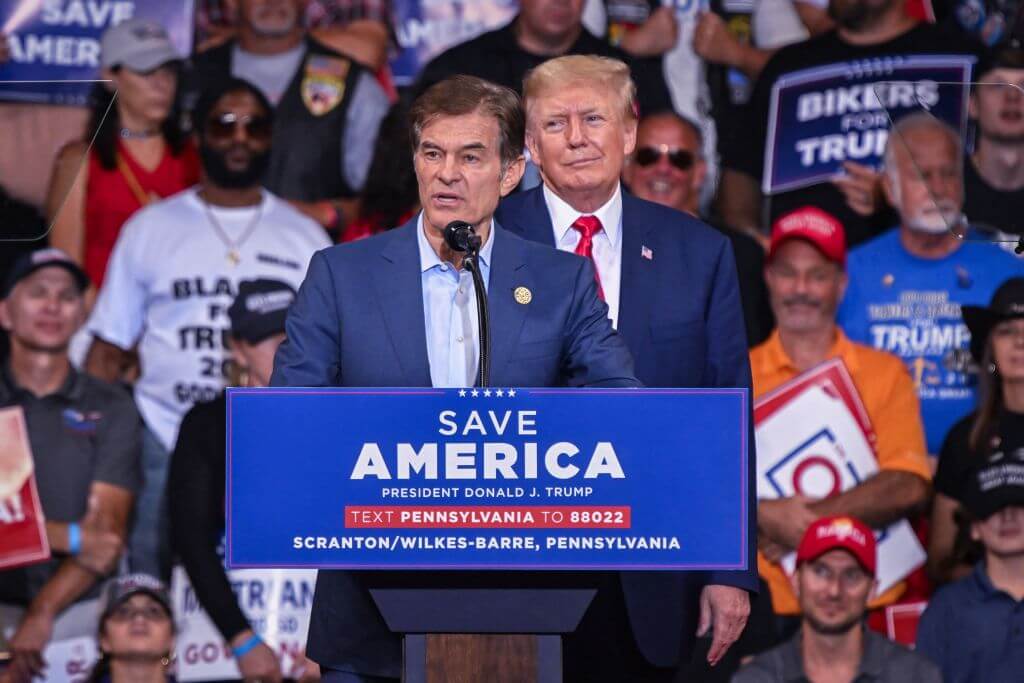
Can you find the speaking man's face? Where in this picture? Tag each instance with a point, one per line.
(804, 287)
(926, 187)
(44, 310)
(459, 170)
(833, 591)
(579, 139)
(666, 166)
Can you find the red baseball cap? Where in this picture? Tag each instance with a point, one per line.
(821, 229)
(847, 533)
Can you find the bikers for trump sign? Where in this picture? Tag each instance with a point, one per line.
(487, 478)
(820, 117)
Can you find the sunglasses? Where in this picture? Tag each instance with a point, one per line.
(680, 158)
(257, 128)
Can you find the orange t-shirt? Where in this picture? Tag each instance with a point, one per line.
(888, 395)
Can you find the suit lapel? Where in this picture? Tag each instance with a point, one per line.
(507, 316)
(399, 287)
(637, 284)
(536, 221)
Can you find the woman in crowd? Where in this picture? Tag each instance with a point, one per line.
(138, 151)
(993, 432)
(136, 632)
(196, 481)
(391, 195)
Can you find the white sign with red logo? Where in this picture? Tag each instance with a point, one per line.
(275, 601)
(814, 438)
(71, 652)
(22, 525)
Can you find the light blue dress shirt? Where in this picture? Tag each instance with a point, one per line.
(449, 311)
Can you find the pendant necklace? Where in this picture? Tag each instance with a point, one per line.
(233, 255)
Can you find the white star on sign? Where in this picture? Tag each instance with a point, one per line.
(499, 393)
(462, 393)
(475, 393)
(487, 393)
(511, 393)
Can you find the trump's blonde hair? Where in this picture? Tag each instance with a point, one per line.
(564, 72)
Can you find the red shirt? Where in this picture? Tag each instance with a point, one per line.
(110, 201)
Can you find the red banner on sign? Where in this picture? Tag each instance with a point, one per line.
(490, 517)
(22, 525)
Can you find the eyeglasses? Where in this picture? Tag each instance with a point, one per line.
(680, 158)
(257, 128)
(127, 612)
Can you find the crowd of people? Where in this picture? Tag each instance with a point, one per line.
(186, 213)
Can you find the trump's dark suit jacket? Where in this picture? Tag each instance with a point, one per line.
(681, 317)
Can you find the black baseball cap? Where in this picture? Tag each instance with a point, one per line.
(31, 261)
(121, 589)
(1007, 303)
(993, 486)
(260, 309)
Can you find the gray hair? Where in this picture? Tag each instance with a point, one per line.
(911, 122)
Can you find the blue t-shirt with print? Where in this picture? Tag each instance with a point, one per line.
(910, 306)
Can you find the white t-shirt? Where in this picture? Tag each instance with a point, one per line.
(170, 282)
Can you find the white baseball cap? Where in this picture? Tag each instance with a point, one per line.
(138, 44)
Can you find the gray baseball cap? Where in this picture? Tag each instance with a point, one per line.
(138, 44)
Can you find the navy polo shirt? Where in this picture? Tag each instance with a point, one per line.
(974, 631)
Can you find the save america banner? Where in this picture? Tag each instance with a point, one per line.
(823, 116)
(55, 44)
(487, 478)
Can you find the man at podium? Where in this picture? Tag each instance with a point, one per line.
(399, 310)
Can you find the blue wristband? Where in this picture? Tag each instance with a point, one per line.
(247, 646)
(74, 538)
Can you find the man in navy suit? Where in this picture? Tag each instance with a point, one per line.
(399, 310)
(671, 287)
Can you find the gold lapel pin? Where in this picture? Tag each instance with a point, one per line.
(523, 295)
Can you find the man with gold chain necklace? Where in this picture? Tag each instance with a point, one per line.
(173, 273)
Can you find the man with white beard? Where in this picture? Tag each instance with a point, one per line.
(907, 285)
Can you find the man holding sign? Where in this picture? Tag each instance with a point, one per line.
(806, 278)
(832, 83)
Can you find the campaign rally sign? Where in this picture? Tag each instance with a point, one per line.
(55, 44)
(22, 524)
(71, 651)
(487, 478)
(814, 438)
(426, 28)
(276, 602)
(820, 117)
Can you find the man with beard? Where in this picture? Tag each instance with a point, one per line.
(835, 575)
(867, 31)
(994, 173)
(907, 286)
(174, 272)
(806, 280)
(328, 107)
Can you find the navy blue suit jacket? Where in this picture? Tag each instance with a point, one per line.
(681, 317)
(358, 321)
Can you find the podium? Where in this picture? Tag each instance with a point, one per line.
(478, 524)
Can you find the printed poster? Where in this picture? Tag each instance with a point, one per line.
(22, 524)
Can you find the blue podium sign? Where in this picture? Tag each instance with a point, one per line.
(487, 479)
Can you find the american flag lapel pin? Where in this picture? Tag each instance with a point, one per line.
(646, 252)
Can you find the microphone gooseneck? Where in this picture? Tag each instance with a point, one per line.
(460, 236)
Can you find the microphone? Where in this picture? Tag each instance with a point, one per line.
(460, 236)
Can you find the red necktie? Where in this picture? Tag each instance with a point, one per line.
(587, 227)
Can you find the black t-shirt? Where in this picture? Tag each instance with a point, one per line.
(757, 309)
(744, 150)
(957, 460)
(497, 57)
(988, 208)
(195, 492)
